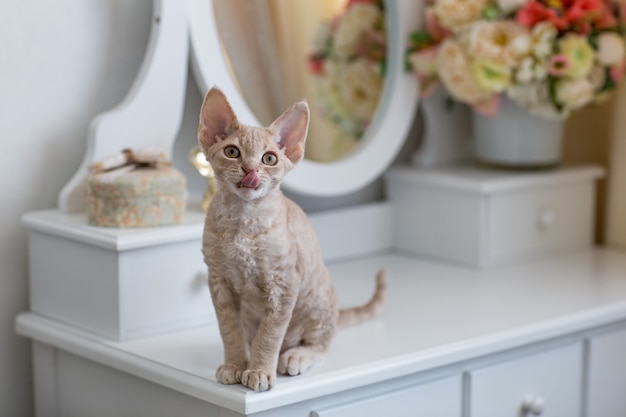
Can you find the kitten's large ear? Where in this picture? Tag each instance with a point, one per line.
(217, 119)
(292, 127)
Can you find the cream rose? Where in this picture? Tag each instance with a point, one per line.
(492, 76)
(357, 19)
(455, 73)
(611, 49)
(454, 14)
(574, 94)
(580, 55)
(361, 87)
(500, 41)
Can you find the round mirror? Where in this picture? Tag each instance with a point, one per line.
(368, 144)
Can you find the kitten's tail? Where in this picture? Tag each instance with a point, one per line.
(357, 315)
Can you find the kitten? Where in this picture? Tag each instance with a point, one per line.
(275, 303)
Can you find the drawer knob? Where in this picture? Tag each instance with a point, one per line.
(533, 406)
(545, 219)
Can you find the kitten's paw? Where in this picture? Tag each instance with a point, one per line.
(295, 362)
(258, 379)
(229, 374)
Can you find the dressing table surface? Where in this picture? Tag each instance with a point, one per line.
(435, 315)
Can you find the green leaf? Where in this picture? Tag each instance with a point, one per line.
(593, 40)
(421, 39)
(491, 12)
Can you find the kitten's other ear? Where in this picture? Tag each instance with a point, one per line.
(217, 119)
(292, 127)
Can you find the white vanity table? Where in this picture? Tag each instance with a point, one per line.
(122, 324)
(135, 334)
(451, 342)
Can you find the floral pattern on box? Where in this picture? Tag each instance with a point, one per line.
(140, 197)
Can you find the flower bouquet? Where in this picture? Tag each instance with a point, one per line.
(548, 56)
(348, 66)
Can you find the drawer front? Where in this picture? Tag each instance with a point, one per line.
(547, 383)
(436, 399)
(535, 222)
(607, 376)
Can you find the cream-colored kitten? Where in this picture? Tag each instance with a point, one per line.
(275, 303)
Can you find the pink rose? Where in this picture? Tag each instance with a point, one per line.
(558, 65)
(617, 73)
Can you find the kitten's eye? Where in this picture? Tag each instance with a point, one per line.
(232, 151)
(269, 159)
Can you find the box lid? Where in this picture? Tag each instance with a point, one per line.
(135, 183)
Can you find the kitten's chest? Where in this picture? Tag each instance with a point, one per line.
(246, 252)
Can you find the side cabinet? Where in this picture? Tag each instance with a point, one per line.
(606, 395)
(547, 384)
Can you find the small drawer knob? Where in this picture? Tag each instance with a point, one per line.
(533, 406)
(545, 219)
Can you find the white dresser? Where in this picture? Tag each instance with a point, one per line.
(541, 334)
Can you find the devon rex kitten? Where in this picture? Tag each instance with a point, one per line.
(275, 303)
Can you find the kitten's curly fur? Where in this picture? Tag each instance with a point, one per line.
(275, 302)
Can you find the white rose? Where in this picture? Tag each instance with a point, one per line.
(611, 50)
(525, 73)
(508, 6)
(597, 77)
(536, 98)
(540, 71)
(357, 19)
(574, 94)
(543, 35)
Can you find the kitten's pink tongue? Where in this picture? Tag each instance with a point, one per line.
(251, 180)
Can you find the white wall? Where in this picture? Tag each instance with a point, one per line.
(61, 63)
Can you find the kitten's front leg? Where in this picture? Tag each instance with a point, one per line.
(227, 312)
(261, 372)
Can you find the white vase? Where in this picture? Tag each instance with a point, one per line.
(515, 138)
(446, 134)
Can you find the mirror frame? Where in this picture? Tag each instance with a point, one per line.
(382, 140)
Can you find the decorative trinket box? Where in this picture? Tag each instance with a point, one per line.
(136, 188)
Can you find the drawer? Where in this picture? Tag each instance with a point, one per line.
(441, 398)
(120, 284)
(486, 218)
(552, 378)
(540, 221)
(607, 376)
